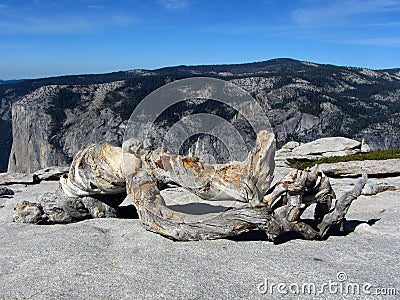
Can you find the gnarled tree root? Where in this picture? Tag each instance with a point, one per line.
(156, 217)
(100, 174)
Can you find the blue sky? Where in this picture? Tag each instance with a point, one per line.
(44, 37)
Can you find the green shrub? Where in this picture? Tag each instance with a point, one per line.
(373, 155)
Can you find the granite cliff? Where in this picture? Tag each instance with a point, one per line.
(46, 121)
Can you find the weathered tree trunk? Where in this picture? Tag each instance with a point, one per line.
(95, 170)
(158, 218)
(179, 226)
(240, 181)
(108, 171)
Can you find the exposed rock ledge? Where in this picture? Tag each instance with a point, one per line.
(377, 168)
(324, 147)
(51, 173)
(119, 259)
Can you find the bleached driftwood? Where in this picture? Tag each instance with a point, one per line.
(105, 169)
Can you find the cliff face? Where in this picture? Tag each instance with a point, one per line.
(5, 129)
(52, 119)
(90, 121)
(42, 137)
(31, 149)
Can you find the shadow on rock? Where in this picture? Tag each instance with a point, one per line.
(128, 212)
(347, 227)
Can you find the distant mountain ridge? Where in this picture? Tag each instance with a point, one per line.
(57, 116)
(11, 81)
(278, 64)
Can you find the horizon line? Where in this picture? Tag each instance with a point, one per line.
(186, 65)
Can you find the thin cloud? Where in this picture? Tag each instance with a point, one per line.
(62, 23)
(121, 19)
(56, 17)
(46, 26)
(379, 25)
(340, 11)
(393, 41)
(233, 29)
(175, 4)
(99, 7)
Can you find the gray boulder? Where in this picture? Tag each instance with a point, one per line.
(18, 178)
(56, 208)
(5, 191)
(372, 188)
(46, 174)
(365, 147)
(324, 147)
(332, 146)
(29, 212)
(51, 173)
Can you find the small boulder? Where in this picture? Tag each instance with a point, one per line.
(371, 188)
(57, 208)
(18, 178)
(51, 173)
(365, 148)
(5, 191)
(324, 147)
(332, 146)
(28, 212)
(291, 145)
